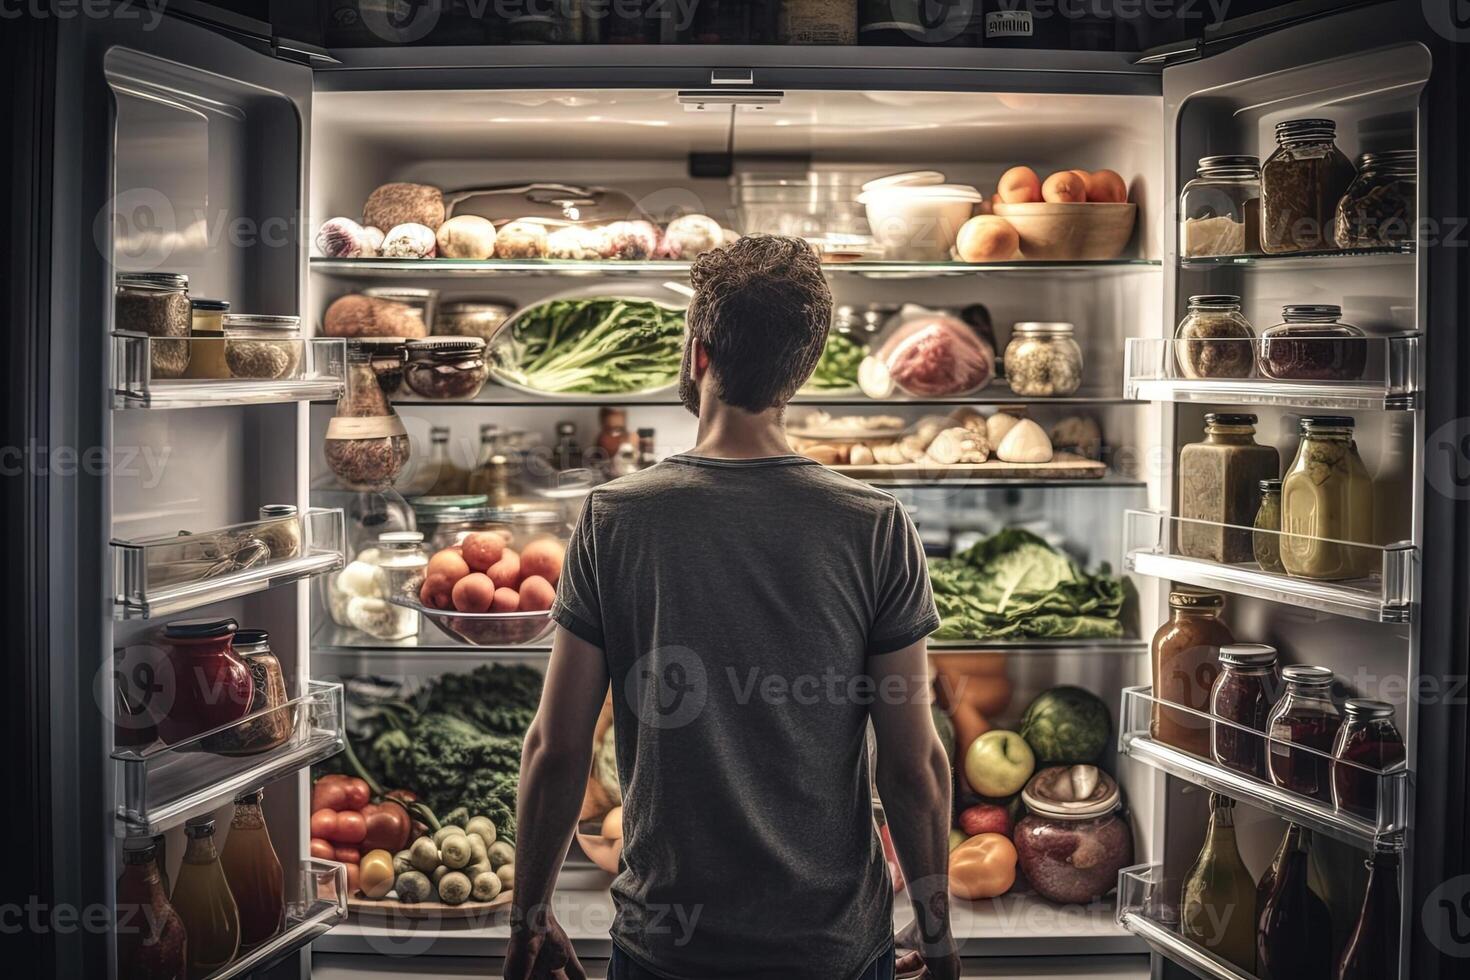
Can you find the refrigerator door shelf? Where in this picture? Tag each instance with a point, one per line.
(321, 903)
(170, 574)
(1389, 378)
(320, 375)
(163, 786)
(1141, 908)
(1381, 823)
(1385, 595)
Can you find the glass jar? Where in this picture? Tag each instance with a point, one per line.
(282, 533)
(1380, 207)
(1213, 340)
(446, 367)
(1301, 183)
(520, 524)
(1219, 485)
(1074, 838)
(156, 304)
(473, 318)
(1311, 345)
(1184, 651)
(1243, 694)
(211, 686)
(1220, 209)
(1368, 738)
(817, 22)
(1327, 503)
(366, 445)
(1266, 543)
(1043, 360)
(207, 343)
(1304, 716)
(387, 355)
(401, 562)
(264, 347)
(268, 684)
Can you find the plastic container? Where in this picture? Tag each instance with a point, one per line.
(1220, 209)
(264, 347)
(1042, 360)
(1301, 183)
(1310, 344)
(1214, 338)
(928, 354)
(917, 222)
(820, 206)
(1074, 840)
(1380, 207)
(446, 368)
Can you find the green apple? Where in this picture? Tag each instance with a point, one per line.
(998, 764)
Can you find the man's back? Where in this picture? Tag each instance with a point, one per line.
(737, 602)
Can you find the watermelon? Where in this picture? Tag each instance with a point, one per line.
(1066, 725)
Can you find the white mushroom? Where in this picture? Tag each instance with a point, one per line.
(1026, 442)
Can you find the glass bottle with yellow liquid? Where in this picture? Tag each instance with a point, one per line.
(1217, 906)
(254, 873)
(203, 900)
(1327, 505)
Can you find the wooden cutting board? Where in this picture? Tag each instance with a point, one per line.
(392, 908)
(1063, 466)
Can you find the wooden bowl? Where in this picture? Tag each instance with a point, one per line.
(1071, 232)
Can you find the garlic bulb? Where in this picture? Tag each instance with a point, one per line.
(409, 242)
(1026, 442)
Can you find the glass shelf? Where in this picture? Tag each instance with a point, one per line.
(1319, 259)
(172, 573)
(162, 786)
(322, 904)
(1384, 594)
(1381, 824)
(1145, 910)
(381, 268)
(320, 375)
(1389, 379)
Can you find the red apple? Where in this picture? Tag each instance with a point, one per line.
(985, 818)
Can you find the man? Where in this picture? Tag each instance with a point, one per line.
(753, 611)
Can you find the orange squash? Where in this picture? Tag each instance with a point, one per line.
(982, 867)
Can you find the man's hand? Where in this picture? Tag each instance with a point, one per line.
(543, 952)
(939, 964)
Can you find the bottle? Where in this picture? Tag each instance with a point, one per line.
(1219, 489)
(1327, 502)
(646, 457)
(1294, 928)
(204, 903)
(1217, 907)
(1372, 950)
(1337, 874)
(1304, 716)
(479, 476)
(151, 944)
(567, 455)
(449, 478)
(1185, 653)
(254, 873)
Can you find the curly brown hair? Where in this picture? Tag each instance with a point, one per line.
(762, 310)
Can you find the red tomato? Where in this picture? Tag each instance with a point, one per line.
(352, 879)
(349, 856)
(351, 827)
(329, 794)
(324, 824)
(358, 793)
(322, 849)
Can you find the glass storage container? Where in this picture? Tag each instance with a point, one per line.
(446, 368)
(258, 346)
(260, 734)
(1380, 207)
(366, 445)
(1301, 183)
(156, 304)
(1215, 338)
(1220, 209)
(1267, 546)
(387, 355)
(1327, 505)
(473, 317)
(207, 352)
(1369, 738)
(1304, 716)
(1184, 651)
(1243, 694)
(1219, 483)
(212, 687)
(1042, 360)
(520, 524)
(1310, 344)
(1074, 838)
(400, 561)
(282, 536)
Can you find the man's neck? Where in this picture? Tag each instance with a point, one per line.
(731, 433)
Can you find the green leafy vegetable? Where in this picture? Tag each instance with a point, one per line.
(1015, 585)
(593, 346)
(837, 368)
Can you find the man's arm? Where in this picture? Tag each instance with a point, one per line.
(555, 761)
(913, 779)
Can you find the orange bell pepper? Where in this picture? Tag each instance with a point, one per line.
(982, 867)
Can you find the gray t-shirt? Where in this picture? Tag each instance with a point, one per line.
(737, 602)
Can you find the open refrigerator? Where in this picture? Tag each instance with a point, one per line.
(204, 149)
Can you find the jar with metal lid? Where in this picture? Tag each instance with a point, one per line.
(387, 356)
(207, 339)
(1367, 745)
(1074, 838)
(156, 304)
(280, 530)
(1266, 542)
(446, 367)
(1220, 209)
(1327, 505)
(263, 729)
(211, 686)
(473, 317)
(1380, 207)
(1311, 344)
(1213, 340)
(1301, 183)
(419, 301)
(1305, 716)
(1042, 360)
(1241, 699)
(1183, 654)
(401, 562)
(260, 346)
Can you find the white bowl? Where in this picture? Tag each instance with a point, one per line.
(918, 223)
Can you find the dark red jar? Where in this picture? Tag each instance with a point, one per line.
(1368, 738)
(1241, 702)
(1304, 717)
(207, 686)
(1074, 838)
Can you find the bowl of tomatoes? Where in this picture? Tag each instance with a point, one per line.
(483, 592)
